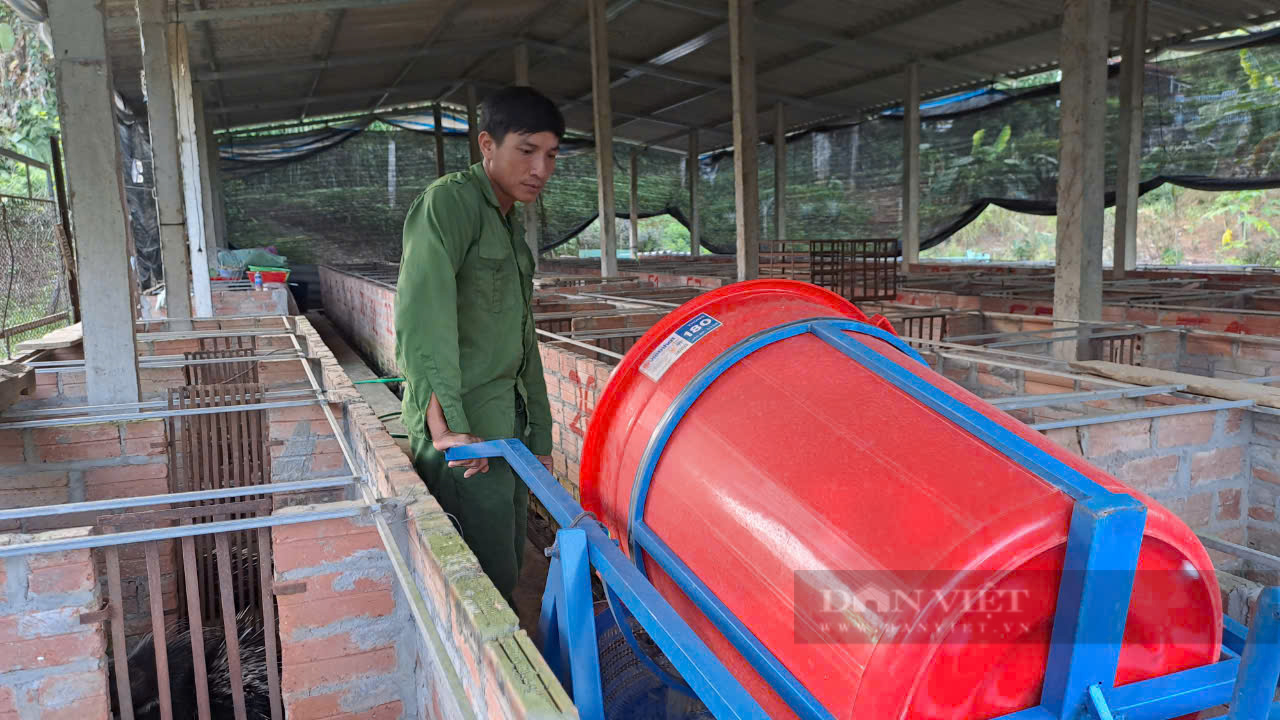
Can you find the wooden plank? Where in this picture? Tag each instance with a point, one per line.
(66, 337)
(269, 621)
(119, 650)
(230, 627)
(197, 627)
(1196, 384)
(159, 641)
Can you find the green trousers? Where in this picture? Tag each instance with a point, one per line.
(490, 509)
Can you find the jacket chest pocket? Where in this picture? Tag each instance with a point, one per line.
(496, 268)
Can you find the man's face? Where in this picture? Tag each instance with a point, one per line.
(522, 163)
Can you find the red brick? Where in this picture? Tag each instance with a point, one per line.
(64, 579)
(1197, 510)
(310, 554)
(101, 450)
(51, 651)
(1235, 419)
(1220, 464)
(97, 706)
(62, 689)
(10, 499)
(1229, 504)
(1149, 474)
(146, 447)
(326, 648)
(316, 706)
(126, 481)
(1068, 438)
(8, 701)
(303, 676)
(329, 610)
(1107, 438)
(1262, 513)
(323, 529)
(76, 434)
(987, 379)
(1266, 475)
(11, 438)
(144, 429)
(320, 587)
(1183, 430)
(387, 711)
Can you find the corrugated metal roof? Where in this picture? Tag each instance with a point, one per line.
(263, 61)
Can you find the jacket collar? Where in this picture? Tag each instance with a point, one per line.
(482, 179)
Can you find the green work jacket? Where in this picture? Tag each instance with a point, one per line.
(464, 328)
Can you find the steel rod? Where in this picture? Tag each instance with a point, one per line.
(179, 531)
(126, 503)
(154, 415)
(1021, 402)
(588, 346)
(1142, 414)
(46, 412)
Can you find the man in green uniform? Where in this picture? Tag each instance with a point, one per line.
(465, 340)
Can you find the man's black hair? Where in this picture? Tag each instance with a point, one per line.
(522, 110)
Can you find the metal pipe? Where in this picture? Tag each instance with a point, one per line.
(45, 412)
(638, 301)
(1142, 414)
(51, 367)
(588, 346)
(178, 531)
(157, 414)
(1019, 403)
(167, 320)
(126, 503)
(197, 335)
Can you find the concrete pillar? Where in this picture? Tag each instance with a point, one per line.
(911, 167)
(635, 205)
(531, 210)
(473, 124)
(211, 180)
(391, 172)
(437, 118)
(746, 190)
(691, 161)
(1077, 291)
(85, 108)
(1129, 138)
(780, 171)
(189, 155)
(602, 117)
(162, 120)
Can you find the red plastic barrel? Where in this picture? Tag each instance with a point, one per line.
(798, 462)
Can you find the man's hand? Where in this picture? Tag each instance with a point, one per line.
(453, 439)
(546, 463)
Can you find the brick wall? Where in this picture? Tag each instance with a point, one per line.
(340, 637)
(96, 461)
(365, 312)
(52, 667)
(240, 299)
(498, 671)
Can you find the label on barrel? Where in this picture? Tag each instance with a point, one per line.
(677, 344)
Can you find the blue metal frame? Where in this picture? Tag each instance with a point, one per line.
(1104, 538)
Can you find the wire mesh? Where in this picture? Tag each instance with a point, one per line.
(33, 281)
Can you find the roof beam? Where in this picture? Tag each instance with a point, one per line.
(207, 34)
(257, 11)
(335, 23)
(1189, 10)
(261, 69)
(446, 19)
(428, 90)
(699, 79)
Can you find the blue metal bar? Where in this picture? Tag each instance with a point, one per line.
(1255, 688)
(622, 619)
(1175, 695)
(1099, 703)
(1093, 600)
(1001, 439)
(788, 687)
(553, 650)
(577, 624)
(718, 689)
(1233, 635)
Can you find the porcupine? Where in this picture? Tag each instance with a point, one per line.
(144, 685)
